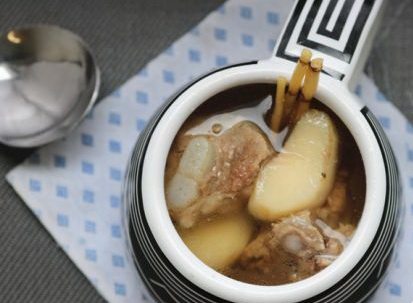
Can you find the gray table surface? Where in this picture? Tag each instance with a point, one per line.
(125, 34)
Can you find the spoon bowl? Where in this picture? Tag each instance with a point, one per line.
(48, 82)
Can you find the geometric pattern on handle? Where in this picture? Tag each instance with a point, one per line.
(332, 27)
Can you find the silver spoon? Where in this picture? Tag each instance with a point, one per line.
(48, 82)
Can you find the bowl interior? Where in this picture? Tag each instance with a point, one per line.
(333, 95)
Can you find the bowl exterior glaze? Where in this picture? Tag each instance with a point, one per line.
(167, 284)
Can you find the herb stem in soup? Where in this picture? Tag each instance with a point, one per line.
(261, 196)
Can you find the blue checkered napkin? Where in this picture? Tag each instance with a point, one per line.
(73, 186)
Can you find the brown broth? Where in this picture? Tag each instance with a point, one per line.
(252, 103)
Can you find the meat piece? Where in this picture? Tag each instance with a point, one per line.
(298, 236)
(330, 233)
(241, 150)
(333, 249)
(265, 257)
(294, 245)
(224, 169)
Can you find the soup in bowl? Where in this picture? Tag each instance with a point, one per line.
(260, 206)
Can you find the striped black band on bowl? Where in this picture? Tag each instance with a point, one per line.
(167, 284)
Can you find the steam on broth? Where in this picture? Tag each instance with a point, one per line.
(262, 206)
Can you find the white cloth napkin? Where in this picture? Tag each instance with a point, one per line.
(74, 185)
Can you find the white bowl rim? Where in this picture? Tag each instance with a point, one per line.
(182, 258)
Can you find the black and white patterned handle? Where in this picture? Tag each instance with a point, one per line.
(341, 31)
(167, 284)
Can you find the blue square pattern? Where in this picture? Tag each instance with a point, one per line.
(221, 60)
(140, 124)
(94, 281)
(380, 97)
(88, 168)
(169, 51)
(220, 34)
(118, 261)
(395, 289)
(61, 191)
(62, 220)
(116, 231)
(359, 90)
(120, 289)
(247, 40)
(384, 121)
(89, 115)
(87, 139)
(273, 18)
(59, 161)
(37, 212)
(90, 226)
(195, 31)
(168, 76)
(91, 255)
(246, 12)
(143, 72)
(410, 155)
(115, 146)
(114, 201)
(142, 97)
(221, 9)
(35, 185)
(115, 119)
(409, 127)
(116, 93)
(34, 158)
(194, 55)
(115, 174)
(271, 44)
(88, 196)
(397, 263)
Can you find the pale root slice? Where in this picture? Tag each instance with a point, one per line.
(181, 191)
(220, 242)
(276, 117)
(311, 79)
(302, 176)
(197, 159)
(309, 88)
(295, 84)
(299, 72)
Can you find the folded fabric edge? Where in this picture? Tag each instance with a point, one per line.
(74, 255)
